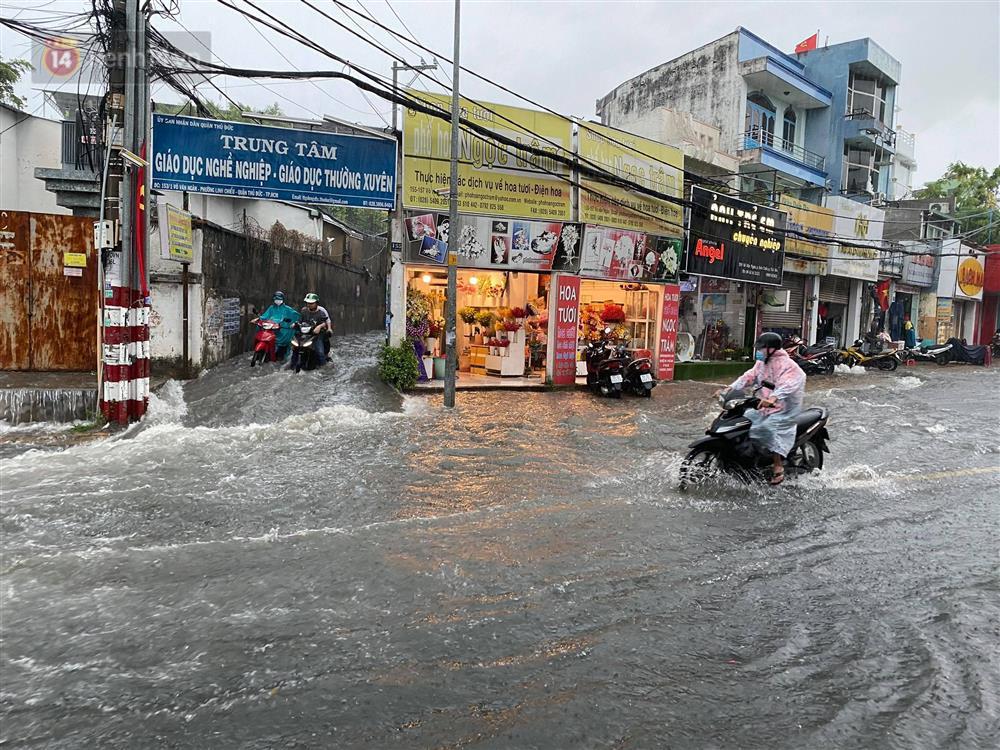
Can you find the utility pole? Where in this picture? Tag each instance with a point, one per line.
(451, 306)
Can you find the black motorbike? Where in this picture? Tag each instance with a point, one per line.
(304, 354)
(818, 359)
(639, 378)
(727, 448)
(605, 366)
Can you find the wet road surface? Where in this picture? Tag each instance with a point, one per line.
(313, 561)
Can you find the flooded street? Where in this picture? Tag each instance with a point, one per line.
(313, 561)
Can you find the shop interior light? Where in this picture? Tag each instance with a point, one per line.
(473, 280)
(427, 278)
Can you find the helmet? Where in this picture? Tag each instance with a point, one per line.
(279, 295)
(312, 297)
(768, 340)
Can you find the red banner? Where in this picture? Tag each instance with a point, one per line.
(807, 44)
(563, 340)
(668, 332)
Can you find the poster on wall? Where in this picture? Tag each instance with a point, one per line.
(610, 253)
(566, 320)
(733, 239)
(418, 227)
(666, 353)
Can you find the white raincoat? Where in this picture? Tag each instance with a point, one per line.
(773, 429)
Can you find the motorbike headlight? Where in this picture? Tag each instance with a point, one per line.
(732, 403)
(308, 343)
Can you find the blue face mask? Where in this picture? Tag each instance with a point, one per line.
(759, 355)
(279, 302)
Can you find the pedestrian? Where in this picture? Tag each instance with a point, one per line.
(909, 332)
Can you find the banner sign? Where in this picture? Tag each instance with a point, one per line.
(806, 217)
(176, 237)
(651, 164)
(918, 270)
(567, 318)
(237, 159)
(971, 276)
(494, 178)
(501, 244)
(732, 239)
(667, 352)
(629, 256)
(860, 223)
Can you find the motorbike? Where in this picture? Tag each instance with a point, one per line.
(727, 448)
(639, 378)
(995, 345)
(264, 342)
(855, 355)
(304, 355)
(606, 365)
(939, 353)
(818, 359)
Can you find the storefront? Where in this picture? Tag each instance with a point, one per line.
(855, 261)
(990, 318)
(960, 291)
(834, 302)
(824, 307)
(915, 290)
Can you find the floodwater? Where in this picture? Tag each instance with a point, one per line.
(313, 561)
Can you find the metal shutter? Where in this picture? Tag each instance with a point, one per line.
(795, 284)
(835, 289)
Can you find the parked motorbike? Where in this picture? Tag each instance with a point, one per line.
(264, 342)
(606, 365)
(304, 355)
(939, 353)
(883, 360)
(639, 378)
(727, 449)
(995, 345)
(818, 359)
(969, 354)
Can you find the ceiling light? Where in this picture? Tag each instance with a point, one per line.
(427, 278)
(473, 280)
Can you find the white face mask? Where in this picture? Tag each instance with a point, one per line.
(279, 302)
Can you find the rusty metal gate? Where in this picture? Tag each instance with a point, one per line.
(48, 292)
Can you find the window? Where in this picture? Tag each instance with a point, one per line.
(866, 95)
(759, 121)
(788, 132)
(862, 170)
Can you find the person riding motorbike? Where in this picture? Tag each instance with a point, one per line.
(317, 315)
(773, 422)
(284, 316)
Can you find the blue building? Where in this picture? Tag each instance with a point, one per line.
(856, 132)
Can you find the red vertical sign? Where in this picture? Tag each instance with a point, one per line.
(567, 319)
(666, 352)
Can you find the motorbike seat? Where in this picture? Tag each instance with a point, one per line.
(819, 348)
(807, 418)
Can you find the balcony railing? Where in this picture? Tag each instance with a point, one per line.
(81, 145)
(878, 129)
(757, 138)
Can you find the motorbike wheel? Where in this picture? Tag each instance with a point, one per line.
(616, 393)
(888, 364)
(808, 458)
(258, 356)
(699, 466)
(942, 358)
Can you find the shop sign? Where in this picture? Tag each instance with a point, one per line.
(567, 318)
(622, 254)
(918, 270)
(651, 164)
(667, 352)
(805, 267)
(859, 223)
(494, 178)
(809, 218)
(176, 236)
(221, 157)
(970, 277)
(732, 239)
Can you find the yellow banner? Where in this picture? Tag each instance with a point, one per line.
(493, 178)
(651, 164)
(810, 218)
(179, 235)
(75, 260)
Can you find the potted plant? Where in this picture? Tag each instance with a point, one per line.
(468, 316)
(434, 330)
(485, 320)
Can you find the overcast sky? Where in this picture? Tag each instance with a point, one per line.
(567, 54)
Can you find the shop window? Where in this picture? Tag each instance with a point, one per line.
(711, 319)
(788, 131)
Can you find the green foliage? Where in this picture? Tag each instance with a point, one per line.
(418, 306)
(10, 73)
(397, 365)
(975, 190)
(363, 219)
(230, 112)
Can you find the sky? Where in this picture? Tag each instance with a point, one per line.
(567, 54)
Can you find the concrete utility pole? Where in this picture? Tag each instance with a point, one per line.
(451, 306)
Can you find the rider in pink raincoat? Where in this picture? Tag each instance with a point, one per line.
(773, 424)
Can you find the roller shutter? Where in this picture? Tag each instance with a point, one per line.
(795, 284)
(835, 289)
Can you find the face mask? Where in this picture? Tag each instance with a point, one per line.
(279, 302)
(759, 355)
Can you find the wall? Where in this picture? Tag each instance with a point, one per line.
(33, 142)
(696, 139)
(705, 83)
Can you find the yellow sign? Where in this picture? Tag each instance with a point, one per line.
(75, 260)
(811, 219)
(970, 277)
(649, 163)
(494, 178)
(179, 237)
(452, 259)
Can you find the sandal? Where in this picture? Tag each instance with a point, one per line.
(777, 478)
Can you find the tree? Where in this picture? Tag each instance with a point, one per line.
(231, 111)
(975, 190)
(10, 73)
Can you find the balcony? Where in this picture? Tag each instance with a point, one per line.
(763, 151)
(906, 148)
(890, 265)
(863, 128)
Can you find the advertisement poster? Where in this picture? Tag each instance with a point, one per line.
(494, 178)
(971, 275)
(862, 224)
(176, 236)
(918, 270)
(809, 218)
(566, 321)
(666, 354)
(651, 164)
(220, 157)
(630, 256)
(733, 239)
(418, 227)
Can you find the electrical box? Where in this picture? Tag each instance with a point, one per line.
(104, 234)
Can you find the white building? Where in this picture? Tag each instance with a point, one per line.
(27, 142)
